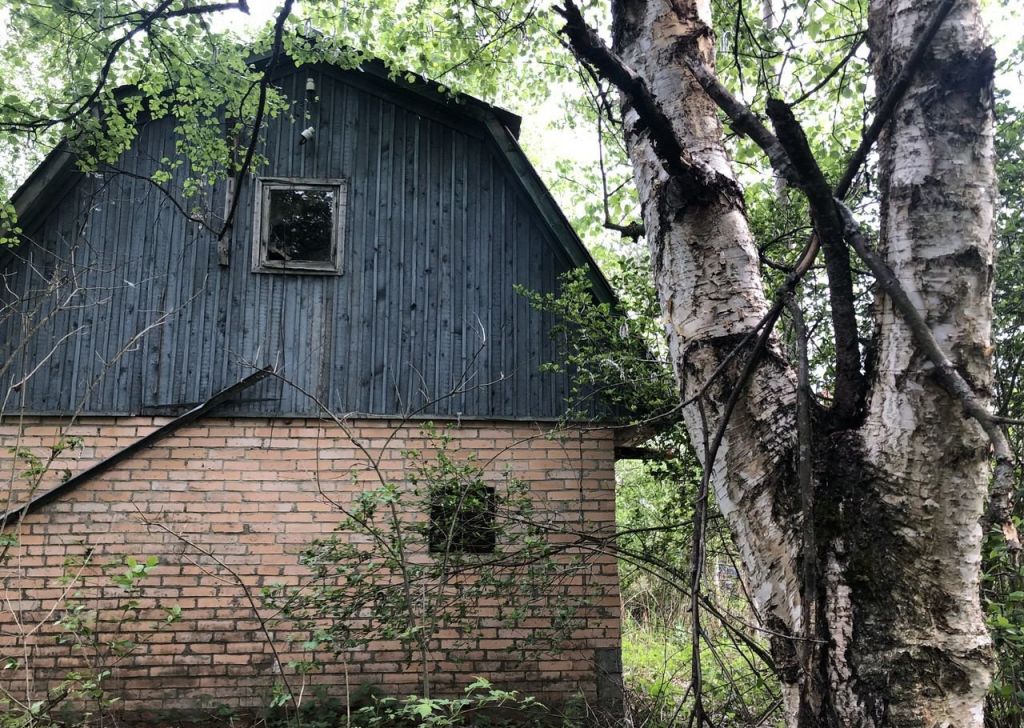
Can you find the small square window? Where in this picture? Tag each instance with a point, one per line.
(298, 225)
(462, 520)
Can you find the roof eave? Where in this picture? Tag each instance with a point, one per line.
(422, 86)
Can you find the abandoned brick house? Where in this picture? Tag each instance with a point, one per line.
(209, 409)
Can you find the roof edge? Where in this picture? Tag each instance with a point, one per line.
(538, 192)
(29, 198)
(422, 86)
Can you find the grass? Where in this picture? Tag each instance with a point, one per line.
(738, 691)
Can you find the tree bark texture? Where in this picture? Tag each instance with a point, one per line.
(926, 464)
(872, 591)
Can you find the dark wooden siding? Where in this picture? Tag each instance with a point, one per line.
(118, 303)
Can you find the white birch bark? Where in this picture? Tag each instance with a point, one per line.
(896, 603)
(706, 270)
(929, 463)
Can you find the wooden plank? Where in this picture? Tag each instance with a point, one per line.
(427, 359)
(402, 269)
(442, 359)
(440, 224)
(417, 263)
(103, 466)
(357, 398)
(385, 313)
(460, 256)
(526, 177)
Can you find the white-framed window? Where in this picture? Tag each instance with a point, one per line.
(299, 225)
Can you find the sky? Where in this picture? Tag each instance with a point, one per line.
(540, 135)
(1002, 17)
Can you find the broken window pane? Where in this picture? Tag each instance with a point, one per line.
(301, 225)
(462, 519)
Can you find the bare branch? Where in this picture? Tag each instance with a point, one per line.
(240, 582)
(889, 103)
(743, 120)
(696, 181)
(841, 66)
(851, 385)
(261, 109)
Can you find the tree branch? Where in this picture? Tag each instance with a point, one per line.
(946, 374)
(261, 108)
(888, 105)
(696, 182)
(797, 165)
(851, 385)
(808, 650)
(742, 119)
(831, 74)
(85, 102)
(634, 230)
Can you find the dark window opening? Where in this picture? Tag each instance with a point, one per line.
(462, 520)
(299, 225)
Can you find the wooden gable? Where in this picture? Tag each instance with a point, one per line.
(117, 304)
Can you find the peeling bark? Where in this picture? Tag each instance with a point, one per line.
(705, 265)
(928, 464)
(869, 573)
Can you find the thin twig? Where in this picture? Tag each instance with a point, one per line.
(896, 91)
(149, 523)
(261, 108)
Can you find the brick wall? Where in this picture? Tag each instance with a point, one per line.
(227, 506)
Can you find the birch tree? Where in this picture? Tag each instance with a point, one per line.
(859, 522)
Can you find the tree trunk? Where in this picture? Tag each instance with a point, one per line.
(875, 589)
(927, 641)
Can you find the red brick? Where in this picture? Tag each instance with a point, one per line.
(246, 491)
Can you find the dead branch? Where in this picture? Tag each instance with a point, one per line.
(261, 109)
(850, 385)
(237, 579)
(696, 182)
(743, 120)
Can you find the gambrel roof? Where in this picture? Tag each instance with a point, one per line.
(35, 196)
(444, 215)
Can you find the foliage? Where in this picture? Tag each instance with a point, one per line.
(367, 706)
(613, 350)
(481, 705)
(1003, 592)
(653, 515)
(1003, 581)
(656, 666)
(389, 573)
(96, 617)
(174, 65)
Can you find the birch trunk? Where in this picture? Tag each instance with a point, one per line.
(706, 270)
(928, 464)
(887, 631)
